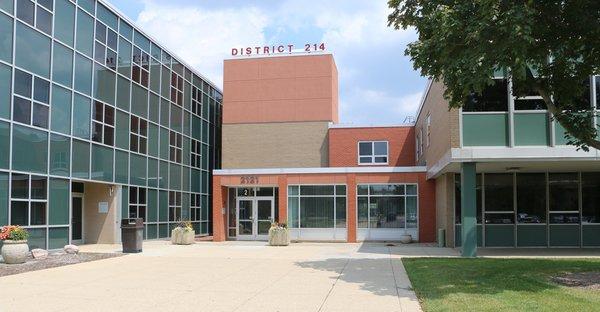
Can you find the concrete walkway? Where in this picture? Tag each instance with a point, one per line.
(230, 276)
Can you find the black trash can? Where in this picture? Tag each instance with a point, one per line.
(132, 235)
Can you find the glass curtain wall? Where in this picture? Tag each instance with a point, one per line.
(536, 209)
(387, 206)
(85, 95)
(317, 206)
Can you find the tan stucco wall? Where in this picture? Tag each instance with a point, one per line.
(275, 145)
(99, 228)
(445, 132)
(444, 206)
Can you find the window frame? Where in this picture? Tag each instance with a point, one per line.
(368, 196)
(373, 155)
(298, 197)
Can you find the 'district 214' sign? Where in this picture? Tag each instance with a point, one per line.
(277, 49)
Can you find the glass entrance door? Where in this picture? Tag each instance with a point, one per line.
(77, 219)
(255, 216)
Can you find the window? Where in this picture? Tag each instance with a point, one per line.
(564, 197)
(137, 202)
(375, 152)
(590, 191)
(106, 46)
(31, 99)
(32, 50)
(499, 207)
(28, 200)
(103, 125)
(196, 154)
(176, 89)
(527, 99)
(196, 101)
(387, 206)
(531, 198)
(457, 198)
(317, 206)
(428, 125)
(139, 135)
(493, 98)
(195, 210)
(175, 145)
(174, 206)
(140, 70)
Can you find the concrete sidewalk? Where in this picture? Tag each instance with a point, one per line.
(229, 276)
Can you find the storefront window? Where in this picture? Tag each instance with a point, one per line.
(590, 191)
(564, 198)
(317, 206)
(531, 197)
(387, 206)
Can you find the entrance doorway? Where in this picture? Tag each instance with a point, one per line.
(254, 215)
(77, 219)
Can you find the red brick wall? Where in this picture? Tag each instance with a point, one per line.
(343, 145)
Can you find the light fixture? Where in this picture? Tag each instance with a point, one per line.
(513, 169)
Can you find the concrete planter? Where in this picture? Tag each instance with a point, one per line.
(15, 252)
(406, 239)
(279, 236)
(181, 236)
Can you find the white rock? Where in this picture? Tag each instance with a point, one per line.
(71, 249)
(39, 253)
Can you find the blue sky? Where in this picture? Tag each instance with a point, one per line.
(377, 82)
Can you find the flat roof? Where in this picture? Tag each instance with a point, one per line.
(319, 170)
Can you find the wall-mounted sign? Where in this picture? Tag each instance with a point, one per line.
(277, 49)
(249, 180)
(102, 207)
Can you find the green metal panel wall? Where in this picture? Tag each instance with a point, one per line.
(485, 130)
(591, 235)
(564, 235)
(532, 235)
(500, 235)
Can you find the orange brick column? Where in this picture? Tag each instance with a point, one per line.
(351, 212)
(282, 201)
(219, 204)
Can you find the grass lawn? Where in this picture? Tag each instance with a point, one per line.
(454, 284)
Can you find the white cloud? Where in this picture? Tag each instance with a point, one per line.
(203, 37)
(368, 106)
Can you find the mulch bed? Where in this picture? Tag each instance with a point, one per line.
(586, 280)
(54, 260)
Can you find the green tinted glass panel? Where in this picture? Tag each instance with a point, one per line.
(5, 90)
(152, 140)
(141, 41)
(138, 170)
(151, 231)
(185, 179)
(64, 21)
(164, 113)
(123, 88)
(204, 182)
(60, 155)
(83, 74)
(6, 5)
(204, 131)
(125, 30)
(154, 108)
(186, 151)
(107, 17)
(175, 177)
(164, 143)
(81, 160)
(32, 51)
(88, 5)
(155, 76)
(62, 66)
(163, 206)
(163, 174)
(4, 144)
(185, 207)
(165, 84)
(58, 238)
(6, 38)
(196, 128)
(152, 212)
(58, 202)
(30, 150)
(122, 129)
(152, 172)
(531, 129)
(104, 84)
(196, 176)
(121, 167)
(205, 157)
(124, 201)
(485, 130)
(139, 101)
(81, 116)
(61, 110)
(176, 118)
(3, 198)
(37, 238)
(102, 163)
(85, 33)
(124, 60)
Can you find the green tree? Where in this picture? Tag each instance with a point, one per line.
(547, 46)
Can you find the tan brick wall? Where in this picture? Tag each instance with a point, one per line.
(445, 133)
(275, 145)
(99, 228)
(444, 203)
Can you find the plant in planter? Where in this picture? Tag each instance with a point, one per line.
(14, 248)
(183, 234)
(406, 238)
(279, 234)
